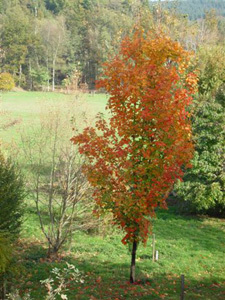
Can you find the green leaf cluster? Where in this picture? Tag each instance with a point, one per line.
(203, 187)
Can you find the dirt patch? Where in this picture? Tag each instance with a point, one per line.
(18, 89)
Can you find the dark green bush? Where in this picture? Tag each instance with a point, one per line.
(5, 251)
(203, 187)
(12, 193)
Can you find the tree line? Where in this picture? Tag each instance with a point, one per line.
(196, 9)
(47, 43)
(52, 43)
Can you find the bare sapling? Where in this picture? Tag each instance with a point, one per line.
(60, 190)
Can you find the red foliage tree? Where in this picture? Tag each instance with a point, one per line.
(135, 158)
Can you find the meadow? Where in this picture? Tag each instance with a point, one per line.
(193, 246)
(24, 107)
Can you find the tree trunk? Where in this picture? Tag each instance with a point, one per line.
(31, 79)
(52, 252)
(2, 287)
(133, 258)
(20, 75)
(53, 77)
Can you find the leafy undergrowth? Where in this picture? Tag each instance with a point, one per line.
(190, 246)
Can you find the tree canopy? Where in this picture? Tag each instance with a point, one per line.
(136, 158)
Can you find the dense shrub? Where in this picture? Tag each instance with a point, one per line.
(5, 259)
(212, 69)
(6, 82)
(5, 251)
(11, 197)
(203, 187)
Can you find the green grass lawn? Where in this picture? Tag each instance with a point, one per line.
(22, 108)
(194, 247)
(190, 246)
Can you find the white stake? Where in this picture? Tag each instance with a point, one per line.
(153, 247)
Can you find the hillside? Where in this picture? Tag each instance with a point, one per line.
(196, 9)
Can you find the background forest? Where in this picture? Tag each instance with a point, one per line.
(195, 9)
(59, 42)
(52, 41)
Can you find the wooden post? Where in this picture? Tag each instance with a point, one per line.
(153, 247)
(182, 288)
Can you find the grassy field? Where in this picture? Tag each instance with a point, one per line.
(190, 246)
(22, 108)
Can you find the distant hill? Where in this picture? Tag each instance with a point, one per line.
(195, 9)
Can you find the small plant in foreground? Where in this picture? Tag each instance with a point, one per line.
(15, 295)
(57, 284)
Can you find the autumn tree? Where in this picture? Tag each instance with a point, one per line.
(136, 158)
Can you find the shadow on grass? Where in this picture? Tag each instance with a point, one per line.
(193, 231)
(108, 279)
(189, 246)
